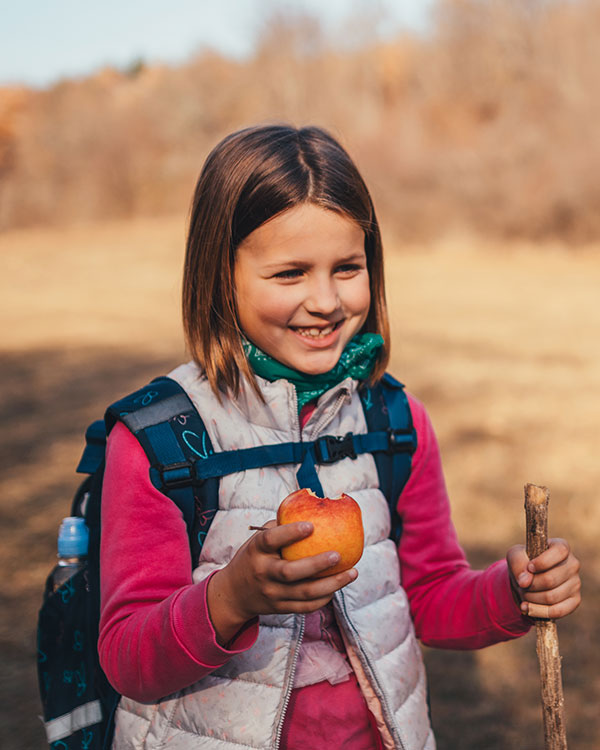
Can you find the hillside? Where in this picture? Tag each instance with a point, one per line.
(488, 123)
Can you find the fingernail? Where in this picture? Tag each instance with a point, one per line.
(333, 557)
(523, 579)
(531, 567)
(524, 608)
(353, 573)
(305, 527)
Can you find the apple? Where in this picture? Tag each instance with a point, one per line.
(337, 526)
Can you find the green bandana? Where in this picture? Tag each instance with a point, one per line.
(356, 361)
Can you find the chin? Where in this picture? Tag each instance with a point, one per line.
(318, 368)
(312, 362)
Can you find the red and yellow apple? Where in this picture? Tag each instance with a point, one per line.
(337, 525)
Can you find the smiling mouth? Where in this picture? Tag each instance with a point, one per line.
(312, 332)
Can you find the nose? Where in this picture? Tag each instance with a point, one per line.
(323, 297)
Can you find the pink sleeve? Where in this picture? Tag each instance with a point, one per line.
(156, 636)
(452, 606)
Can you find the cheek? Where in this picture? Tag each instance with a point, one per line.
(264, 307)
(275, 308)
(358, 298)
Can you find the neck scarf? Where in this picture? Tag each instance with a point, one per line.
(356, 361)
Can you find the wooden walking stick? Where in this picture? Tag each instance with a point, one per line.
(555, 735)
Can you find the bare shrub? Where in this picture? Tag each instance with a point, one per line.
(485, 123)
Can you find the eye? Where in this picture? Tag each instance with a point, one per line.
(289, 273)
(349, 269)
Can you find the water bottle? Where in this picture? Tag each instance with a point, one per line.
(73, 538)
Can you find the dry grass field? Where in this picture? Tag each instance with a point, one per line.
(500, 342)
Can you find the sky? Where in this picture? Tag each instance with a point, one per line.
(42, 41)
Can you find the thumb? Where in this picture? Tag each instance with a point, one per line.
(517, 561)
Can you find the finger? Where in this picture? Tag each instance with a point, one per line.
(518, 561)
(553, 612)
(275, 537)
(556, 595)
(565, 571)
(301, 606)
(307, 567)
(317, 588)
(539, 611)
(557, 552)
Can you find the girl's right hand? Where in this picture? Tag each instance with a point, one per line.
(257, 581)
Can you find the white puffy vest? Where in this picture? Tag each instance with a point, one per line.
(243, 703)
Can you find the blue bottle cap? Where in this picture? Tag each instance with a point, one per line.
(73, 537)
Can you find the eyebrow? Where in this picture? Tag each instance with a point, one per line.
(355, 257)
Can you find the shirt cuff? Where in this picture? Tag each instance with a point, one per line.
(505, 610)
(196, 634)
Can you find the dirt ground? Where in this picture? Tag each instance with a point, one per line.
(501, 343)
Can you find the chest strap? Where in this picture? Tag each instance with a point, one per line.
(325, 450)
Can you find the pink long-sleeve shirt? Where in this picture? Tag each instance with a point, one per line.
(156, 635)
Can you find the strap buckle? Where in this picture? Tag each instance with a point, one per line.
(401, 440)
(176, 475)
(331, 448)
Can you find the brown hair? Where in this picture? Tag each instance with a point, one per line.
(250, 177)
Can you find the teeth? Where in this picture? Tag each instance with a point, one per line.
(315, 333)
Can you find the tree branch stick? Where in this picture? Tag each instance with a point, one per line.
(555, 735)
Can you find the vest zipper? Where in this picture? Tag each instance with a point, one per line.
(368, 667)
(296, 429)
(290, 685)
(329, 414)
(327, 417)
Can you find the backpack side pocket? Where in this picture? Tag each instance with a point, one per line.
(67, 666)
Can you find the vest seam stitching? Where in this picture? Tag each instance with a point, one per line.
(198, 734)
(245, 679)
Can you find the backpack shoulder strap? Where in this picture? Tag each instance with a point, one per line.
(386, 408)
(172, 434)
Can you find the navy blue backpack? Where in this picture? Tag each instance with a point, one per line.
(78, 701)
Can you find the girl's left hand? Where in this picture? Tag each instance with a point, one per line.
(549, 582)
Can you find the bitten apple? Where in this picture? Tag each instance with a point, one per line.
(337, 526)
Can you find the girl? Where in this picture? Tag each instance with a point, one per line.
(285, 317)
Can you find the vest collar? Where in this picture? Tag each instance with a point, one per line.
(280, 409)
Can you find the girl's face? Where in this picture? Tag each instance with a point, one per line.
(302, 287)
